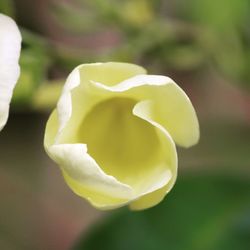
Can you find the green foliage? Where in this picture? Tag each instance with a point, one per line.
(166, 35)
(206, 213)
(7, 7)
(220, 15)
(229, 39)
(34, 63)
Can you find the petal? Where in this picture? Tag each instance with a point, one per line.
(155, 195)
(87, 179)
(96, 199)
(76, 99)
(171, 107)
(81, 172)
(79, 165)
(150, 199)
(110, 73)
(133, 150)
(10, 46)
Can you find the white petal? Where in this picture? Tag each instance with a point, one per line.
(10, 46)
(64, 105)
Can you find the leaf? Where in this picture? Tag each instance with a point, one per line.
(200, 213)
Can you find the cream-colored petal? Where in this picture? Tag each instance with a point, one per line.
(109, 73)
(131, 149)
(171, 107)
(80, 166)
(76, 98)
(95, 198)
(10, 46)
(64, 105)
(150, 199)
(81, 172)
(155, 195)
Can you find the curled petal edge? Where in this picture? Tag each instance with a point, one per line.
(171, 107)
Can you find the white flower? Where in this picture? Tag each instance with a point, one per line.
(113, 134)
(10, 46)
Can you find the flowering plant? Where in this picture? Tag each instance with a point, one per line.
(114, 131)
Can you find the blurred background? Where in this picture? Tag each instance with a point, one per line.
(205, 47)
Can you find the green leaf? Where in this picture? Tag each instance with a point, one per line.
(207, 213)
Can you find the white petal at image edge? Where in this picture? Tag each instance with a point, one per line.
(10, 47)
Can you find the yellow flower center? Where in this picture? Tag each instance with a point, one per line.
(124, 145)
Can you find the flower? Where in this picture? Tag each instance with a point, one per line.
(10, 46)
(113, 134)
